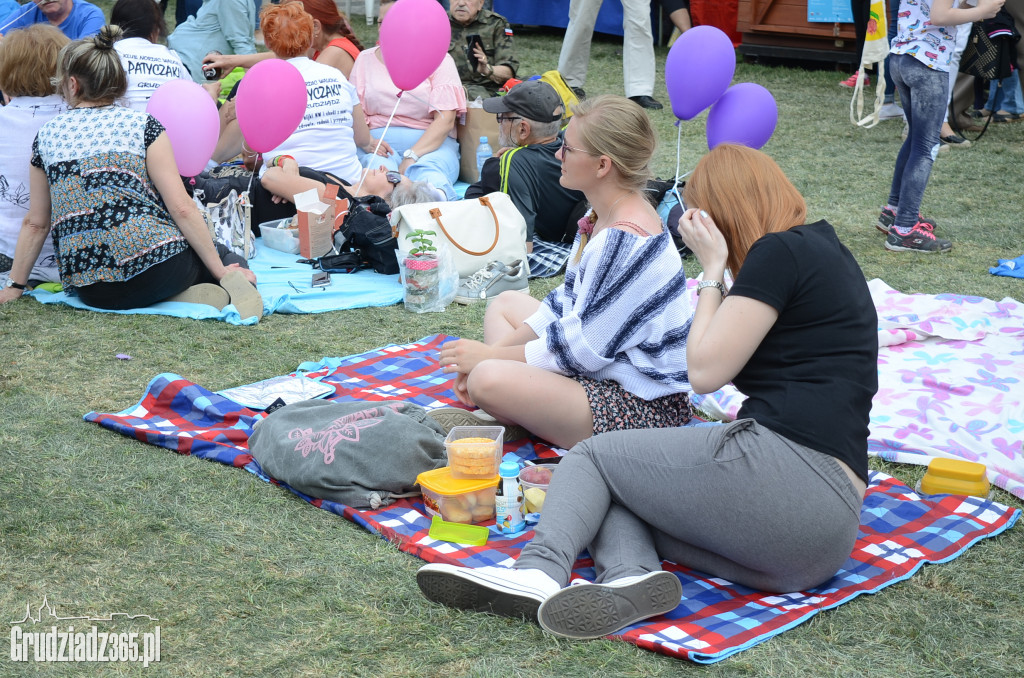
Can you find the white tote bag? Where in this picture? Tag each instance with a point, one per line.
(478, 230)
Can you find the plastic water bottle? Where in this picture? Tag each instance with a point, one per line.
(508, 500)
(483, 152)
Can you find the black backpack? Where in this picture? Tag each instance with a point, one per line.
(367, 230)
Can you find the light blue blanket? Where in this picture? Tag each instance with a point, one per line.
(285, 286)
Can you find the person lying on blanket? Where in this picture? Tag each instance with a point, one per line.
(273, 194)
(103, 176)
(770, 501)
(606, 350)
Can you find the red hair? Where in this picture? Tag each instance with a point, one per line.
(747, 195)
(332, 21)
(287, 29)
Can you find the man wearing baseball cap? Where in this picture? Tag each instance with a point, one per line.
(529, 126)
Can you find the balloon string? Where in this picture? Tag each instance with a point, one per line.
(256, 163)
(679, 147)
(27, 8)
(362, 175)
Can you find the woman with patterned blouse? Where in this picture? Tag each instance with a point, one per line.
(104, 179)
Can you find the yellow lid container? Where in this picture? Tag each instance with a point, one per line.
(458, 500)
(955, 476)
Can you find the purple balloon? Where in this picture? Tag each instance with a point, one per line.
(698, 70)
(746, 114)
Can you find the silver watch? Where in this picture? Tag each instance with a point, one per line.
(411, 156)
(704, 284)
(15, 285)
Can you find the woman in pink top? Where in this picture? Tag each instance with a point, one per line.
(421, 141)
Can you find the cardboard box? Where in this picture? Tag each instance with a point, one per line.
(477, 123)
(316, 221)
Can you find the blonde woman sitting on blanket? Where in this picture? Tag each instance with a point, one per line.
(606, 350)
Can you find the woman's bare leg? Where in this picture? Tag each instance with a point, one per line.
(506, 314)
(548, 405)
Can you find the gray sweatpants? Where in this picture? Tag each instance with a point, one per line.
(735, 501)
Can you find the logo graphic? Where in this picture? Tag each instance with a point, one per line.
(64, 644)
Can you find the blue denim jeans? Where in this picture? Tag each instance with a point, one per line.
(439, 168)
(1005, 95)
(890, 86)
(924, 92)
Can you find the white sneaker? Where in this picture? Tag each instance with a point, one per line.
(492, 280)
(595, 610)
(890, 111)
(498, 590)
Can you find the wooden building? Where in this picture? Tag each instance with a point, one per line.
(780, 29)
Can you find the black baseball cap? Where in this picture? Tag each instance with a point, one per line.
(533, 99)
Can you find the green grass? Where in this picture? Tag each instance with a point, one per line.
(248, 580)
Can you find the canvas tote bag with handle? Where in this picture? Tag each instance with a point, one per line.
(477, 231)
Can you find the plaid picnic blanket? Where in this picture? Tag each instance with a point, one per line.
(900, 530)
(548, 259)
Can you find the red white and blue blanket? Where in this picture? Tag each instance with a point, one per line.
(900, 531)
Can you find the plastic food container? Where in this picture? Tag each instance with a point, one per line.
(457, 500)
(535, 480)
(277, 235)
(955, 476)
(474, 451)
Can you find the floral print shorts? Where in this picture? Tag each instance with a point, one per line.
(616, 409)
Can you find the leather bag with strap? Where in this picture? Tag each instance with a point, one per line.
(478, 231)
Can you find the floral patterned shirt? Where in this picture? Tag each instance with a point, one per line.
(107, 220)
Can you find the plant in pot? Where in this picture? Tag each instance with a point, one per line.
(422, 275)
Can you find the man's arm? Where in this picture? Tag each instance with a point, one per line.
(237, 26)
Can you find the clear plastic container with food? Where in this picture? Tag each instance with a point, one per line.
(474, 451)
(457, 500)
(535, 480)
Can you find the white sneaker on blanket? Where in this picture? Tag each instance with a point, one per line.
(498, 590)
(587, 610)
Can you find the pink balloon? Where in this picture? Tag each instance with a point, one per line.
(746, 114)
(270, 103)
(189, 115)
(413, 41)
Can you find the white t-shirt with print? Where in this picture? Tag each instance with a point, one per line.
(933, 46)
(19, 122)
(147, 65)
(324, 139)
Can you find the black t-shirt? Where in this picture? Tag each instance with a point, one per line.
(814, 375)
(530, 174)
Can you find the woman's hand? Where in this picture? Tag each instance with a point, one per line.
(701, 235)
(12, 293)
(249, 275)
(462, 390)
(463, 355)
(385, 150)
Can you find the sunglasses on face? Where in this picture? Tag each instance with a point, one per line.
(393, 177)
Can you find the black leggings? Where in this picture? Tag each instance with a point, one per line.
(156, 283)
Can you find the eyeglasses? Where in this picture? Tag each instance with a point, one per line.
(393, 177)
(509, 118)
(567, 147)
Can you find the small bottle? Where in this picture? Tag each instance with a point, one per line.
(209, 72)
(508, 500)
(483, 152)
